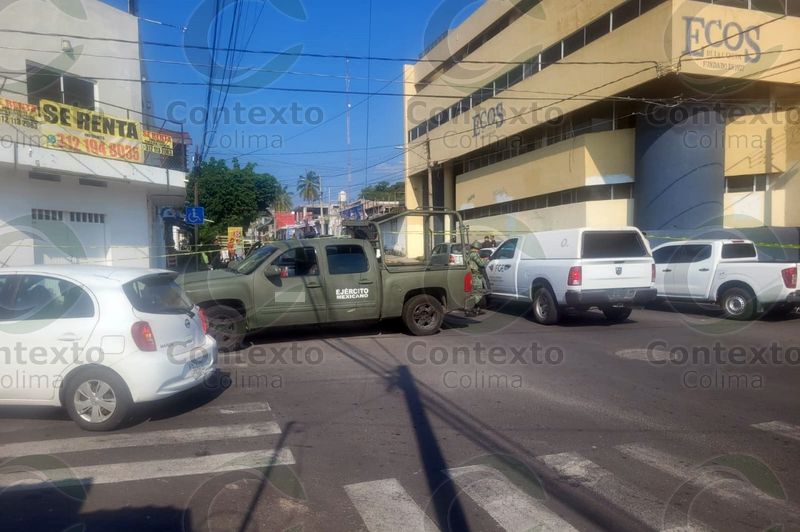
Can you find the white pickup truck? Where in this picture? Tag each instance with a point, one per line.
(611, 269)
(727, 273)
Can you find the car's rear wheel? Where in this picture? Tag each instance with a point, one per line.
(97, 399)
(423, 315)
(545, 308)
(226, 325)
(617, 314)
(738, 304)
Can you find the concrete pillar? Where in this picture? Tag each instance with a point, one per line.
(680, 168)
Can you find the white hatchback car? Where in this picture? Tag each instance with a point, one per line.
(96, 340)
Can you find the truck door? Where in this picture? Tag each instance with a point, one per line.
(351, 283)
(296, 295)
(690, 267)
(501, 270)
(663, 258)
(700, 272)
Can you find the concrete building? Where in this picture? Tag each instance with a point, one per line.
(672, 115)
(82, 176)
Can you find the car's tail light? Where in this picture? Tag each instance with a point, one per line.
(143, 336)
(790, 277)
(203, 320)
(452, 259)
(468, 283)
(653, 274)
(575, 276)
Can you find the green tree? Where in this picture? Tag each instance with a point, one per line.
(309, 187)
(232, 196)
(267, 190)
(384, 191)
(282, 202)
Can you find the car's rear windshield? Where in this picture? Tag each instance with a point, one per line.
(157, 294)
(739, 251)
(613, 245)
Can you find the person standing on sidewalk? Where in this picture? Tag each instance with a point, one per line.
(477, 267)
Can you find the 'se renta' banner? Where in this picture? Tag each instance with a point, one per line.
(68, 128)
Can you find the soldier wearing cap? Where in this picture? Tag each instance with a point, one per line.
(477, 267)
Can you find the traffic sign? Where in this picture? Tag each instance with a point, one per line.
(195, 215)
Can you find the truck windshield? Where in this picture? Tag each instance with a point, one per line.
(613, 245)
(251, 263)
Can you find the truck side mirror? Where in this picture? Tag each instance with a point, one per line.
(272, 271)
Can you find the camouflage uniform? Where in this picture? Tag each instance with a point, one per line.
(475, 265)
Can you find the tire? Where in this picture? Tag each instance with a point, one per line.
(226, 326)
(738, 304)
(545, 308)
(617, 314)
(423, 315)
(97, 399)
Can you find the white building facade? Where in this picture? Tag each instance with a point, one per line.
(82, 178)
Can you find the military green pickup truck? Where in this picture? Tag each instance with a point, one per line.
(323, 281)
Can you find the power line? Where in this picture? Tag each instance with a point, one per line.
(302, 54)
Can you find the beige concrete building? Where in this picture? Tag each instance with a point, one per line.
(666, 114)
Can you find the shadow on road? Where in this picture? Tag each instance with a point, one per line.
(569, 318)
(424, 402)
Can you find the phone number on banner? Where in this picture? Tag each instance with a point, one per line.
(98, 148)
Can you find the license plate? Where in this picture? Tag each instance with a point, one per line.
(623, 294)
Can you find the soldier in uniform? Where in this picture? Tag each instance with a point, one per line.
(477, 266)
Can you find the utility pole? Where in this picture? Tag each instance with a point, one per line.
(198, 165)
(430, 237)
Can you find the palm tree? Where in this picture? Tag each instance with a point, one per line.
(283, 200)
(308, 186)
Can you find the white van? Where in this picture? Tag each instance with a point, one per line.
(611, 269)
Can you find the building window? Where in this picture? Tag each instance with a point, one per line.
(747, 183)
(87, 217)
(554, 199)
(47, 215)
(48, 84)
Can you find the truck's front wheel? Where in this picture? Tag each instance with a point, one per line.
(423, 315)
(226, 325)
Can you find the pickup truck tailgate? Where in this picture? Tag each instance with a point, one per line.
(602, 274)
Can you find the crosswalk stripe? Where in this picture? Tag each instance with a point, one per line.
(136, 471)
(119, 441)
(717, 483)
(385, 506)
(512, 508)
(244, 408)
(605, 485)
(779, 427)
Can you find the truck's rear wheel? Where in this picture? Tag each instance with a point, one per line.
(545, 308)
(738, 304)
(423, 315)
(227, 327)
(617, 314)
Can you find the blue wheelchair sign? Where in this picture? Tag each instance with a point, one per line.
(195, 215)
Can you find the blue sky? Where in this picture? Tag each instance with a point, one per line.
(399, 29)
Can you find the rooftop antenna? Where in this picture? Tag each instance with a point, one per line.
(347, 121)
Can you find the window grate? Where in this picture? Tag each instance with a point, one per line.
(87, 217)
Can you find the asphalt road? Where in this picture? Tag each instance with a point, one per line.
(671, 421)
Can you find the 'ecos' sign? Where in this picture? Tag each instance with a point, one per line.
(494, 116)
(702, 34)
